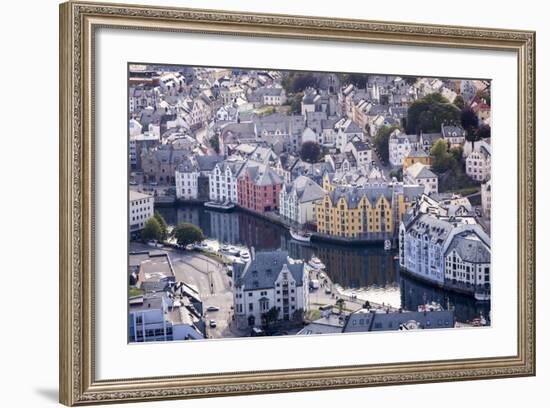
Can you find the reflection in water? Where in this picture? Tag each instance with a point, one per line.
(371, 271)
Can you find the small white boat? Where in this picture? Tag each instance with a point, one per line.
(225, 206)
(387, 245)
(316, 263)
(482, 296)
(300, 235)
(430, 307)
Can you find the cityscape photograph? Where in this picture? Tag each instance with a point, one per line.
(265, 202)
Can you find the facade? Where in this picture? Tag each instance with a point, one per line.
(365, 320)
(478, 162)
(141, 209)
(297, 200)
(416, 155)
(347, 131)
(362, 152)
(187, 180)
(427, 238)
(468, 261)
(486, 199)
(269, 280)
(371, 211)
(258, 188)
(400, 146)
(455, 135)
(222, 181)
(421, 174)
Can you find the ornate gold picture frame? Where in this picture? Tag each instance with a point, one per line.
(78, 382)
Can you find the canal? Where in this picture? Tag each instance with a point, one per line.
(368, 271)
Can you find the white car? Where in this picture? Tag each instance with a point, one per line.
(212, 323)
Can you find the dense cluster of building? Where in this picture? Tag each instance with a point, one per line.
(232, 137)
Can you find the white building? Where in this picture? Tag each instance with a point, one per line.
(427, 238)
(269, 280)
(468, 261)
(362, 152)
(297, 199)
(486, 199)
(478, 162)
(399, 146)
(421, 174)
(141, 209)
(273, 96)
(155, 317)
(455, 135)
(222, 181)
(187, 180)
(347, 131)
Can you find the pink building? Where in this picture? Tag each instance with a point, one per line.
(258, 188)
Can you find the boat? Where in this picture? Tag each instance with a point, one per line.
(225, 206)
(430, 307)
(316, 263)
(482, 296)
(387, 245)
(300, 236)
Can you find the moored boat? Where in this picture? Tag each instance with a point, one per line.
(316, 263)
(300, 235)
(225, 206)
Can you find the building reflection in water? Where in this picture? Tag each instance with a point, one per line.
(369, 269)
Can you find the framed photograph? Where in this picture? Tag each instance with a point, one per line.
(256, 203)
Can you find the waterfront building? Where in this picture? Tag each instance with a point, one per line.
(468, 261)
(421, 174)
(370, 211)
(258, 187)
(270, 280)
(140, 210)
(478, 162)
(187, 180)
(297, 200)
(222, 181)
(427, 236)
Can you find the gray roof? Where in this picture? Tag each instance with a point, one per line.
(452, 131)
(306, 189)
(262, 271)
(364, 320)
(419, 170)
(207, 163)
(262, 175)
(470, 248)
(416, 152)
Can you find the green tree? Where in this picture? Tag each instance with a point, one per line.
(470, 123)
(296, 103)
(381, 141)
(295, 82)
(459, 102)
(359, 80)
(442, 160)
(215, 143)
(428, 113)
(340, 304)
(186, 234)
(310, 152)
(484, 131)
(162, 224)
(271, 316)
(152, 230)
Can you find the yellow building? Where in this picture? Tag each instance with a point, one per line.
(417, 156)
(369, 212)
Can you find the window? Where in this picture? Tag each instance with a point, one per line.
(251, 307)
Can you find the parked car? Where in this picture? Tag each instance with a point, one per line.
(327, 290)
(212, 308)
(256, 331)
(212, 323)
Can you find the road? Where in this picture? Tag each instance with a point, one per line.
(209, 277)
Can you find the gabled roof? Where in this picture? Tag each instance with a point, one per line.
(262, 271)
